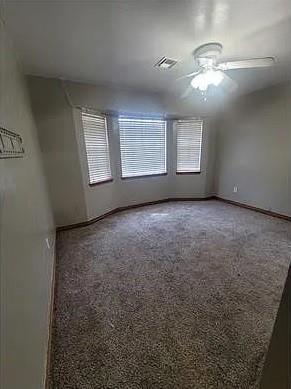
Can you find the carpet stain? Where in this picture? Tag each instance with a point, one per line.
(179, 295)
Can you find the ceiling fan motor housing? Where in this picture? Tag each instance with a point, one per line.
(206, 55)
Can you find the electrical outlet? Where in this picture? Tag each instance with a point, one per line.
(235, 189)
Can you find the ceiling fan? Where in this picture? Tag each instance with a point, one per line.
(213, 72)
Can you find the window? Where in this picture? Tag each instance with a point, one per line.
(189, 142)
(142, 146)
(97, 150)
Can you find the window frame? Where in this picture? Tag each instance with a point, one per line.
(100, 115)
(197, 172)
(142, 117)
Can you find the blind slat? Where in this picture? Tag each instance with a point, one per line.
(189, 143)
(142, 146)
(97, 149)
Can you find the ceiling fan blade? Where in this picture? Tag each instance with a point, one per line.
(188, 75)
(247, 63)
(228, 83)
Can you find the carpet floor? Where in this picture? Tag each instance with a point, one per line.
(178, 295)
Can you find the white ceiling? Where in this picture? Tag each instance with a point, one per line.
(118, 42)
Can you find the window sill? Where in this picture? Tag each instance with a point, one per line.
(182, 173)
(101, 182)
(144, 176)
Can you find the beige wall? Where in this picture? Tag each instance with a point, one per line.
(97, 200)
(254, 150)
(113, 98)
(25, 224)
(58, 144)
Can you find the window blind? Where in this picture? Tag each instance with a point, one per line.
(142, 146)
(189, 143)
(97, 149)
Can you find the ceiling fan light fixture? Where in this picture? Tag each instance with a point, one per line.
(200, 82)
(203, 80)
(214, 77)
(209, 70)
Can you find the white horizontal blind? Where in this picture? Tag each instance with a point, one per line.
(96, 141)
(189, 143)
(142, 146)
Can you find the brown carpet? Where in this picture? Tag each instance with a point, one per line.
(178, 295)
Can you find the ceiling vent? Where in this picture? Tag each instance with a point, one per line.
(165, 63)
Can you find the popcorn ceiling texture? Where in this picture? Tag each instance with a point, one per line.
(177, 295)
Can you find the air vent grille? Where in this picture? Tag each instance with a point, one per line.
(165, 63)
